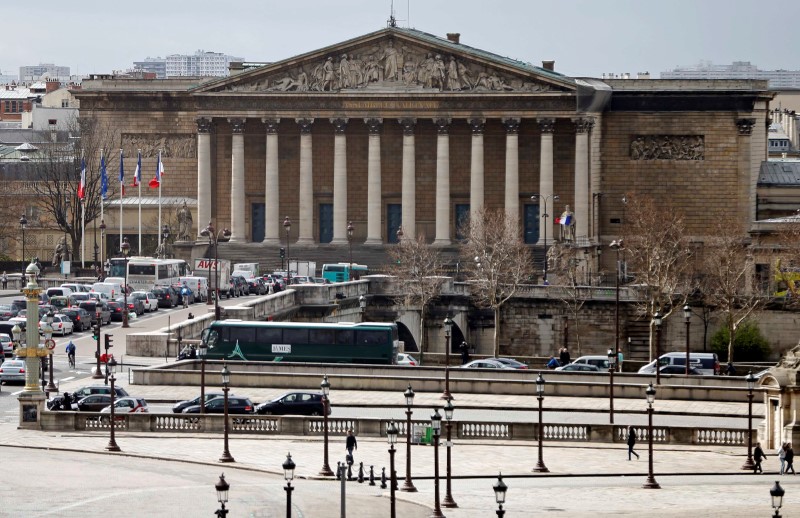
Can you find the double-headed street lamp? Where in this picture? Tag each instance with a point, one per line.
(545, 215)
(226, 381)
(657, 322)
(751, 383)
(214, 238)
(448, 324)
(126, 249)
(350, 230)
(102, 242)
(776, 493)
(651, 483)
(687, 316)
(112, 366)
(47, 330)
(287, 226)
(500, 489)
(325, 388)
(391, 435)
(408, 485)
(540, 467)
(436, 426)
(164, 237)
(617, 245)
(23, 222)
(222, 488)
(612, 366)
(448, 416)
(288, 473)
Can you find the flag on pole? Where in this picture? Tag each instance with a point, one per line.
(156, 182)
(82, 186)
(103, 178)
(137, 175)
(121, 167)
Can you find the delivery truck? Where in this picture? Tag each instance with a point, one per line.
(205, 267)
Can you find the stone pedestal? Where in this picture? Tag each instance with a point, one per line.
(183, 250)
(31, 407)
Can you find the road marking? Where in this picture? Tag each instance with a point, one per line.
(16, 393)
(66, 379)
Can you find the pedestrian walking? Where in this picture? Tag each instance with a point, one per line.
(632, 442)
(185, 295)
(789, 459)
(350, 445)
(563, 356)
(782, 456)
(5, 280)
(464, 350)
(758, 456)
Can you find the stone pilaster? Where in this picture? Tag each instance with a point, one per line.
(271, 185)
(512, 168)
(547, 128)
(583, 125)
(374, 182)
(204, 196)
(476, 167)
(409, 183)
(339, 181)
(442, 182)
(306, 184)
(238, 197)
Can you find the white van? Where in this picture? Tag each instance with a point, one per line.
(112, 290)
(247, 270)
(599, 361)
(706, 363)
(199, 285)
(58, 292)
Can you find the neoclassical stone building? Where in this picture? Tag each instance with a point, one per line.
(402, 129)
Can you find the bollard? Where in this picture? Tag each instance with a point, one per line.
(360, 472)
(383, 478)
(339, 470)
(371, 475)
(350, 471)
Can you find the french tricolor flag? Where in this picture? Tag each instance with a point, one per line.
(82, 186)
(137, 175)
(156, 182)
(565, 219)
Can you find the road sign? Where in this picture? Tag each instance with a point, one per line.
(50, 343)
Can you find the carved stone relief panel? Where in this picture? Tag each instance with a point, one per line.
(668, 147)
(171, 146)
(387, 65)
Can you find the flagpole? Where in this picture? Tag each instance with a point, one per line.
(158, 229)
(140, 217)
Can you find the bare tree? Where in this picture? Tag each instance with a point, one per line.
(419, 271)
(497, 262)
(785, 265)
(563, 261)
(659, 257)
(729, 281)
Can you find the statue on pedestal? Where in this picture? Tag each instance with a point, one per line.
(184, 223)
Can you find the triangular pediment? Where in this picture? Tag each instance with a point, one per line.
(395, 60)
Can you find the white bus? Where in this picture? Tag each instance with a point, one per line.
(145, 273)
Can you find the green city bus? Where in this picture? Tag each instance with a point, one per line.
(344, 342)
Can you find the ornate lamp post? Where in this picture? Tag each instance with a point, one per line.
(112, 366)
(448, 324)
(16, 334)
(288, 474)
(126, 249)
(408, 485)
(391, 436)
(214, 238)
(651, 483)
(23, 222)
(164, 237)
(776, 493)
(540, 467)
(47, 330)
(33, 350)
(500, 489)
(612, 366)
(222, 488)
(362, 304)
(350, 229)
(617, 245)
(287, 226)
(545, 215)
(657, 323)
(436, 425)
(325, 388)
(751, 383)
(687, 316)
(448, 416)
(226, 381)
(201, 351)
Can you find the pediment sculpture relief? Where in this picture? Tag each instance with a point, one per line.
(389, 67)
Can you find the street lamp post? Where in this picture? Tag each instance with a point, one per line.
(214, 238)
(325, 388)
(350, 229)
(540, 467)
(545, 215)
(776, 493)
(23, 222)
(500, 489)
(612, 366)
(222, 488)
(48, 336)
(391, 436)
(126, 249)
(102, 242)
(651, 483)
(657, 322)
(436, 426)
(751, 383)
(226, 381)
(287, 226)
(617, 245)
(165, 236)
(288, 473)
(362, 304)
(112, 366)
(448, 324)
(201, 351)
(408, 485)
(687, 316)
(16, 334)
(448, 416)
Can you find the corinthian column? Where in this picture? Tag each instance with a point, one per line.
(409, 195)
(306, 187)
(476, 168)
(512, 168)
(374, 182)
(547, 128)
(442, 182)
(271, 183)
(583, 126)
(339, 181)
(203, 173)
(238, 226)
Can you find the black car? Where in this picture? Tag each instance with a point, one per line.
(167, 296)
(181, 405)
(87, 391)
(91, 307)
(679, 369)
(236, 405)
(81, 319)
(134, 305)
(93, 403)
(179, 289)
(257, 286)
(294, 403)
(116, 310)
(238, 286)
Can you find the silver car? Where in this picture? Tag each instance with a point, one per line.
(12, 370)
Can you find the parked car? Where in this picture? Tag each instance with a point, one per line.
(91, 307)
(302, 279)
(93, 403)
(90, 390)
(179, 289)
(406, 359)
(488, 363)
(256, 286)
(294, 403)
(181, 405)
(706, 363)
(167, 296)
(149, 300)
(514, 364)
(12, 370)
(8, 344)
(128, 405)
(578, 367)
(62, 325)
(116, 310)
(239, 286)
(81, 319)
(599, 361)
(8, 311)
(236, 405)
(679, 369)
(134, 305)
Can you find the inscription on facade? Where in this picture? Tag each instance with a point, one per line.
(668, 147)
(391, 105)
(171, 146)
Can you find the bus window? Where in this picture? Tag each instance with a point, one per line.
(364, 337)
(269, 336)
(345, 336)
(321, 336)
(141, 269)
(295, 336)
(242, 334)
(162, 272)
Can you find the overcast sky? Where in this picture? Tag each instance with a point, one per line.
(584, 37)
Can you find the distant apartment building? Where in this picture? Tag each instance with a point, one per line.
(31, 73)
(157, 66)
(736, 70)
(199, 64)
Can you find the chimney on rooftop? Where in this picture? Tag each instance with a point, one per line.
(549, 65)
(454, 36)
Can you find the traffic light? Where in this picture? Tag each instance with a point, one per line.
(96, 331)
(283, 253)
(108, 342)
